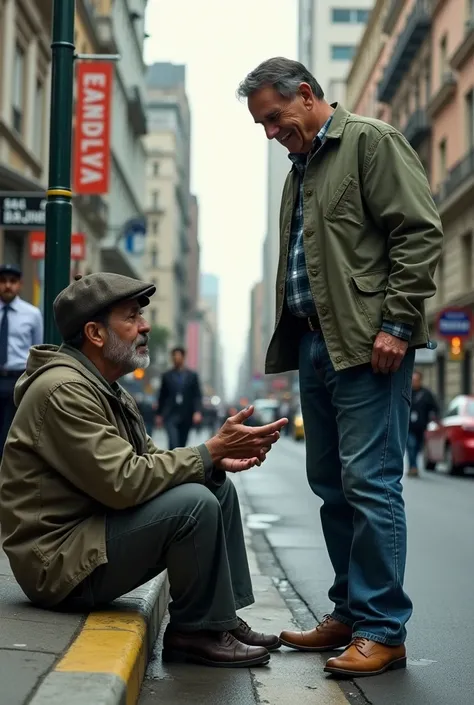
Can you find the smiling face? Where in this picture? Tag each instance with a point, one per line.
(291, 121)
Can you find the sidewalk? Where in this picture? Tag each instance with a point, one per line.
(49, 658)
(291, 677)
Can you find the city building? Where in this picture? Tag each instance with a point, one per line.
(98, 219)
(194, 255)
(420, 77)
(121, 30)
(170, 207)
(25, 75)
(257, 347)
(328, 36)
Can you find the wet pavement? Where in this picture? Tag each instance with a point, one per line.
(440, 572)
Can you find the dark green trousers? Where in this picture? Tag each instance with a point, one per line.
(193, 532)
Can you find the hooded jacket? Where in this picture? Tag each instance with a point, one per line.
(77, 448)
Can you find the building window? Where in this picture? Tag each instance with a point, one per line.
(153, 316)
(443, 58)
(466, 255)
(154, 257)
(470, 120)
(154, 200)
(154, 227)
(342, 52)
(349, 16)
(156, 168)
(39, 119)
(442, 160)
(18, 87)
(441, 280)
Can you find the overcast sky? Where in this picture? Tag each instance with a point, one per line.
(220, 42)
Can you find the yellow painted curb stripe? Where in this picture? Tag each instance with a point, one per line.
(59, 192)
(110, 642)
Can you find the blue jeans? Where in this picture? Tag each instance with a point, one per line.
(356, 425)
(414, 448)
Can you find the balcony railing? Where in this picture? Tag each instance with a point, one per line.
(417, 128)
(394, 10)
(443, 95)
(466, 49)
(459, 175)
(409, 41)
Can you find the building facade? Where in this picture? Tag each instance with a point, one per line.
(420, 77)
(25, 80)
(328, 37)
(169, 205)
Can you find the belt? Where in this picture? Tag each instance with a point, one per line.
(14, 374)
(313, 323)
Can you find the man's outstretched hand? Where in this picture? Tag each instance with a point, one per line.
(247, 444)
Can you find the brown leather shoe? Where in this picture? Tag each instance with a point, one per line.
(327, 636)
(210, 648)
(367, 658)
(247, 636)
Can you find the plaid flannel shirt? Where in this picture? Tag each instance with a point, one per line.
(298, 291)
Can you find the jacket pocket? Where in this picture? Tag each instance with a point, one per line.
(370, 291)
(344, 202)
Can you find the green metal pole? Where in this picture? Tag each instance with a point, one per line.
(58, 205)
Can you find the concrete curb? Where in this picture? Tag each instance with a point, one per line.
(106, 663)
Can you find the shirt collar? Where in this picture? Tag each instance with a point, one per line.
(300, 159)
(12, 304)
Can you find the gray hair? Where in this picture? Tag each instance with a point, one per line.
(285, 75)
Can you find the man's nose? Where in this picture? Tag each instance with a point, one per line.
(271, 131)
(144, 326)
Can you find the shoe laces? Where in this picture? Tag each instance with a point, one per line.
(359, 642)
(244, 626)
(227, 638)
(325, 620)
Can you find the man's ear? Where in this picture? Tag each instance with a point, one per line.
(95, 334)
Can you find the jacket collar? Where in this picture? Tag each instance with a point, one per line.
(338, 122)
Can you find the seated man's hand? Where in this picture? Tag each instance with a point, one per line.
(234, 441)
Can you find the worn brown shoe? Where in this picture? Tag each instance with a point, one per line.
(219, 649)
(327, 636)
(246, 635)
(367, 658)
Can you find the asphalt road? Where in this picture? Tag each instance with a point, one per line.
(440, 572)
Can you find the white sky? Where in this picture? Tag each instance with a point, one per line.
(220, 41)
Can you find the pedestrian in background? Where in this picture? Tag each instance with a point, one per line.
(21, 326)
(179, 400)
(360, 238)
(424, 408)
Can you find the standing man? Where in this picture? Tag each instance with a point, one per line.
(21, 326)
(179, 401)
(424, 408)
(360, 238)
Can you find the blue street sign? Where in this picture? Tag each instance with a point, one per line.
(134, 236)
(455, 322)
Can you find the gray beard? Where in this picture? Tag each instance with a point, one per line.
(125, 354)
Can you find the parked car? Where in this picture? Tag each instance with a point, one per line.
(298, 427)
(451, 441)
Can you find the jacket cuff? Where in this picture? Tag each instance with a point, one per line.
(212, 476)
(398, 330)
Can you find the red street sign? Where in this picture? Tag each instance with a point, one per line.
(92, 129)
(37, 242)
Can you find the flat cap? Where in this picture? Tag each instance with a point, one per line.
(79, 302)
(10, 269)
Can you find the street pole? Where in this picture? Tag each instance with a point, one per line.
(59, 194)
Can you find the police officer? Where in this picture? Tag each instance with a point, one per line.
(21, 326)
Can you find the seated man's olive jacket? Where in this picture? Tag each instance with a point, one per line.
(77, 448)
(372, 240)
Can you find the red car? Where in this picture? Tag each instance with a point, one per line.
(451, 441)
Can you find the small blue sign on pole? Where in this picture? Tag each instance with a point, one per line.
(455, 322)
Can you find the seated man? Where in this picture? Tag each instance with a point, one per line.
(90, 508)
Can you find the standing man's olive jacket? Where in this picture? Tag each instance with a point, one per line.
(77, 448)
(372, 240)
